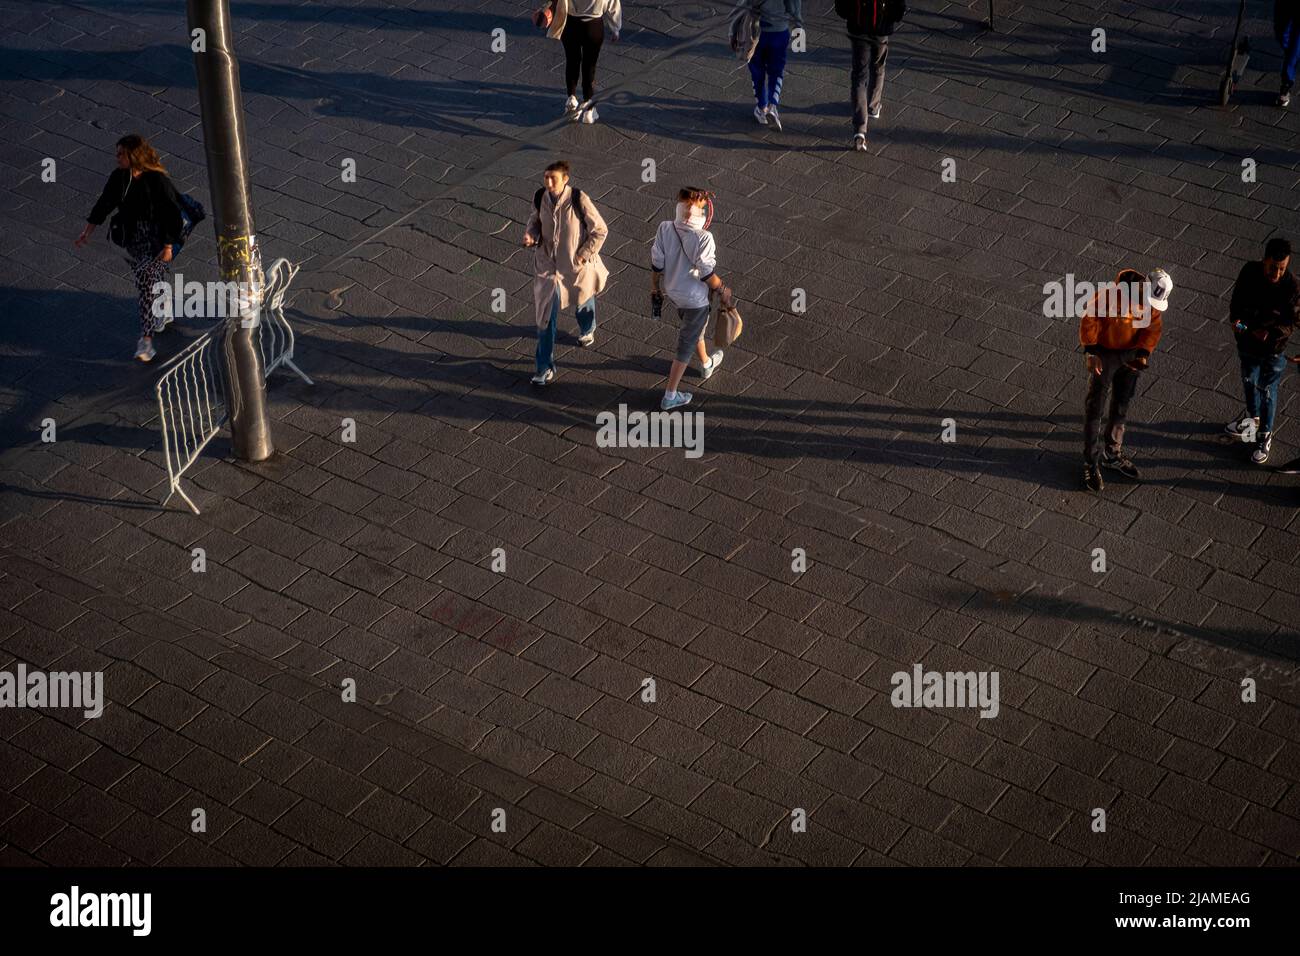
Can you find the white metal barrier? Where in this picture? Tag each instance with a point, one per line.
(191, 409)
(274, 334)
(191, 393)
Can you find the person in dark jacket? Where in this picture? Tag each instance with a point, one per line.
(1286, 27)
(149, 211)
(870, 24)
(1264, 312)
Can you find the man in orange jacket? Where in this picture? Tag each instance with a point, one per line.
(1118, 332)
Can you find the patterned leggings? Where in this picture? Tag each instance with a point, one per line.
(148, 270)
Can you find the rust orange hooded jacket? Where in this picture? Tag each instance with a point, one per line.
(1119, 332)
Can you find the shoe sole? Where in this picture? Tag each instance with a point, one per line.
(1120, 471)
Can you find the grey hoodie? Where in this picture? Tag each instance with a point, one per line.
(775, 15)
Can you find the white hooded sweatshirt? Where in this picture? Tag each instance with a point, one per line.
(686, 255)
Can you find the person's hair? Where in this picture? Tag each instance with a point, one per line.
(691, 196)
(1130, 275)
(140, 154)
(559, 166)
(1277, 249)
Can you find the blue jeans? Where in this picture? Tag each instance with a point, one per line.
(546, 336)
(1260, 378)
(767, 66)
(1288, 36)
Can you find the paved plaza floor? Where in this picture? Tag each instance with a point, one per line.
(827, 539)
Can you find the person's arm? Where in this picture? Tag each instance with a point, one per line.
(1089, 330)
(614, 18)
(597, 231)
(657, 263)
(1240, 310)
(1090, 325)
(795, 9)
(109, 199)
(533, 231)
(708, 263)
(1146, 341)
(167, 209)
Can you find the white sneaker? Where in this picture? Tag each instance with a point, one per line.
(144, 350)
(774, 118)
(543, 378)
(1244, 428)
(760, 114)
(860, 142)
(714, 361)
(586, 340)
(875, 114)
(589, 115)
(675, 400)
(571, 107)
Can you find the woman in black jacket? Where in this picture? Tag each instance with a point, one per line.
(149, 210)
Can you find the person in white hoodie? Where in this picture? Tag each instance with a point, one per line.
(580, 26)
(682, 262)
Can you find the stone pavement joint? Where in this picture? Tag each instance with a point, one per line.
(371, 560)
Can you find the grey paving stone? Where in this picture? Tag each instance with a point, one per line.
(370, 559)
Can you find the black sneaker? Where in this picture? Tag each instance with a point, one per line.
(1092, 478)
(1121, 464)
(1262, 447)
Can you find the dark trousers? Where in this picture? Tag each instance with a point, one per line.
(1117, 382)
(582, 40)
(867, 81)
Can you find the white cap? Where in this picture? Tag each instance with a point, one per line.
(1161, 284)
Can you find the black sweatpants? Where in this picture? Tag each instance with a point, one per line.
(582, 40)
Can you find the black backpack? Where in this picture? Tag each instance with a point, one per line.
(875, 18)
(575, 199)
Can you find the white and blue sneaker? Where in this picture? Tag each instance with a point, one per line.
(673, 400)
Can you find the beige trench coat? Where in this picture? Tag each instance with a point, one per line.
(560, 243)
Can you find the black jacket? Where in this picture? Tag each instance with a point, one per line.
(871, 18)
(1269, 310)
(150, 198)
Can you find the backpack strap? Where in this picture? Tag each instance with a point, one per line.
(576, 201)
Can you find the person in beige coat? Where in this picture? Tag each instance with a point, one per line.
(566, 231)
